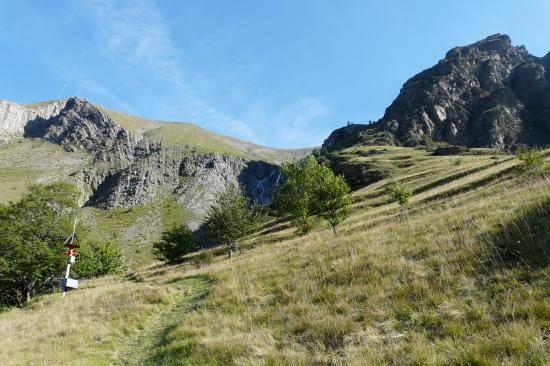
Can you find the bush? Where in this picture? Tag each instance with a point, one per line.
(96, 260)
(175, 243)
(530, 158)
(400, 194)
(457, 161)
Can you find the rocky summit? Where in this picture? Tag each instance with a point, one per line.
(488, 94)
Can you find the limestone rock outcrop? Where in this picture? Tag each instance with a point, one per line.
(14, 117)
(488, 94)
(128, 169)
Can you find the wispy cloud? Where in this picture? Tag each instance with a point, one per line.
(296, 124)
(134, 36)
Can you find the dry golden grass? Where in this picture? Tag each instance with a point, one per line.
(84, 328)
(434, 289)
(463, 280)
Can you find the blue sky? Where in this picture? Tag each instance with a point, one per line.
(278, 73)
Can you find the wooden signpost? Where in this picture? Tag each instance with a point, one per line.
(71, 243)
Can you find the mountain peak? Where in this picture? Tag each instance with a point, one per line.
(487, 94)
(497, 38)
(496, 43)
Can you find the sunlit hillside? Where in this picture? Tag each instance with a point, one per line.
(189, 135)
(462, 279)
(25, 161)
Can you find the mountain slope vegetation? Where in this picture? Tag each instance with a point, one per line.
(137, 176)
(463, 279)
(455, 273)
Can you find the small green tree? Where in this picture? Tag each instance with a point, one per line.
(400, 194)
(32, 233)
(175, 243)
(295, 195)
(531, 159)
(308, 188)
(332, 200)
(231, 218)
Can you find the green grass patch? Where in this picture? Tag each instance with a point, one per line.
(14, 183)
(195, 138)
(131, 123)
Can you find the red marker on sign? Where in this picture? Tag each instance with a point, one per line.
(71, 243)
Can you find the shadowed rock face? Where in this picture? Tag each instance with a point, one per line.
(14, 117)
(81, 126)
(203, 177)
(129, 170)
(488, 94)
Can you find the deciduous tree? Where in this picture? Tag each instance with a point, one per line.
(231, 218)
(175, 243)
(32, 233)
(332, 200)
(308, 188)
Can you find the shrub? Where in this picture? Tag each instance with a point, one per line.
(175, 243)
(400, 194)
(98, 260)
(457, 161)
(530, 158)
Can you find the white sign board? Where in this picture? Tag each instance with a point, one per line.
(69, 282)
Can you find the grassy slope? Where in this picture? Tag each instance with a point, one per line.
(432, 289)
(192, 136)
(427, 290)
(202, 140)
(135, 229)
(199, 139)
(27, 162)
(131, 123)
(38, 104)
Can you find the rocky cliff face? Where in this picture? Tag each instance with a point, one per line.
(487, 94)
(14, 117)
(203, 177)
(127, 169)
(81, 126)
